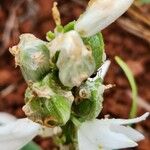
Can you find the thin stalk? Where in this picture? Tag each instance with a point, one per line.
(133, 85)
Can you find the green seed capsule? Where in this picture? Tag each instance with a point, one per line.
(96, 44)
(32, 55)
(47, 103)
(89, 100)
(50, 112)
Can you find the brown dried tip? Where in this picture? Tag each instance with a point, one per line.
(56, 14)
(50, 122)
(91, 2)
(15, 52)
(109, 86)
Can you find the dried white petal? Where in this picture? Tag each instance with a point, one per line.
(75, 62)
(99, 15)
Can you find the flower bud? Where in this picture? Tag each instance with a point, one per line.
(47, 103)
(100, 14)
(75, 62)
(32, 55)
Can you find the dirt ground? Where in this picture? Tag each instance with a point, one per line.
(22, 16)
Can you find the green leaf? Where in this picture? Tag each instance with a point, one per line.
(31, 146)
(69, 26)
(133, 85)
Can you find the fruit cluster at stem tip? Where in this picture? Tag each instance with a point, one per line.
(65, 73)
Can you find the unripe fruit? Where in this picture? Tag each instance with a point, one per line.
(32, 55)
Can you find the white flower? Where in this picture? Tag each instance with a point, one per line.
(6, 118)
(100, 14)
(16, 133)
(109, 134)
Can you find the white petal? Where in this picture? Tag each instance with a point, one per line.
(128, 131)
(17, 134)
(115, 140)
(130, 121)
(85, 143)
(99, 15)
(100, 135)
(6, 118)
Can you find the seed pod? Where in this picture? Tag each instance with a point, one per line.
(96, 44)
(32, 55)
(89, 99)
(47, 103)
(75, 62)
(50, 112)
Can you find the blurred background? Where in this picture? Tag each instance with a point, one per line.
(129, 38)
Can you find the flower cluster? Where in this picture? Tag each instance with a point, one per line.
(63, 98)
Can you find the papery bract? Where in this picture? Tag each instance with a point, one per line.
(75, 62)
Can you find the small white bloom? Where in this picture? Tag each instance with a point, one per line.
(75, 62)
(109, 134)
(16, 133)
(100, 14)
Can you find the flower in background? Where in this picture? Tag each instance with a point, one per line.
(109, 134)
(100, 14)
(16, 133)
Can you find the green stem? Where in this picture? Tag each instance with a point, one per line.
(133, 85)
(76, 122)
